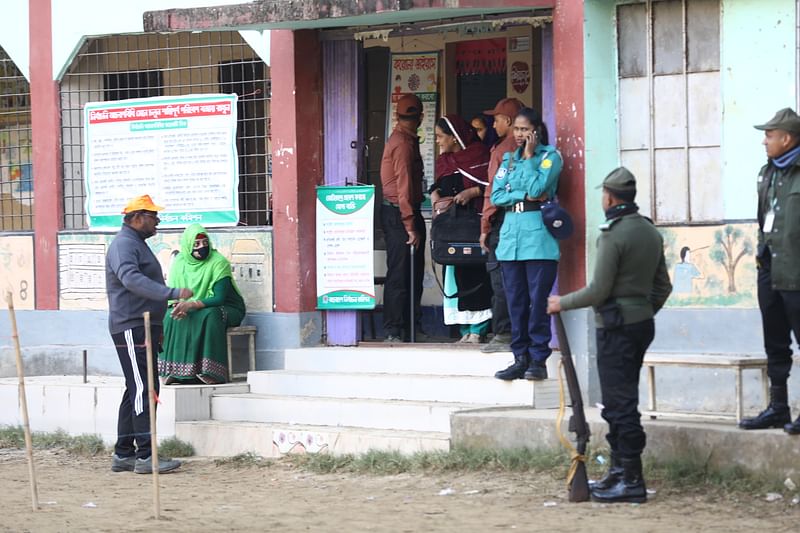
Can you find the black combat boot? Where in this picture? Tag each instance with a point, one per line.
(516, 370)
(775, 415)
(793, 428)
(629, 489)
(537, 371)
(611, 478)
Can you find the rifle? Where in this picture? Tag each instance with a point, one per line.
(577, 481)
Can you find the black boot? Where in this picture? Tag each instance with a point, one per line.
(630, 488)
(611, 478)
(775, 415)
(793, 428)
(537, 371)
(516, 370)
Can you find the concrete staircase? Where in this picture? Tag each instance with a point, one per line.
(351, 400)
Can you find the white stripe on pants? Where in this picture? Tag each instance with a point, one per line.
(138, 404)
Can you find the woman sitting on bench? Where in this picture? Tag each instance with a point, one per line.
(194, 346)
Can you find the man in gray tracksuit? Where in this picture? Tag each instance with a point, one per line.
(135, 284)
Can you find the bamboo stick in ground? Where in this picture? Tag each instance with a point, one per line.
(151, 404)
(23, 402)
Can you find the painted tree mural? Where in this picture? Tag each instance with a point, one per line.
(724, 251)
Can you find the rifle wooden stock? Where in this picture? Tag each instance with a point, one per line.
(579, 484)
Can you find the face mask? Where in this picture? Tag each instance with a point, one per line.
(201, 253)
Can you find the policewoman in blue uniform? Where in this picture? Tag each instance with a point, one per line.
(527, 252)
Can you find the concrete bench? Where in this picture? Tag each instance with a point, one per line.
(250, 333)
(738, 363)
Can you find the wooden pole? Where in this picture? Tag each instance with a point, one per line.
(151, 404)
(85, 366)
(23, 402)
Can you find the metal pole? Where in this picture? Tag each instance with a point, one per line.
(413, 333)
(85, 366)
(23, 402)
(151, 404)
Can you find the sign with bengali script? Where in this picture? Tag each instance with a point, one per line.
(345, 266)
(179, 150)
(417, 74)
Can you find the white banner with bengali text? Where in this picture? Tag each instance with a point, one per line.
(181, 150)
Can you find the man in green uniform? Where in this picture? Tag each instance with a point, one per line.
(778, 260)
(629, 286)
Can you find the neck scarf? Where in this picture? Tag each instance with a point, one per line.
(621, 210)
(788, 158)
(198, 275)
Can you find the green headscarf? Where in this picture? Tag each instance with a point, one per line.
(200, 276)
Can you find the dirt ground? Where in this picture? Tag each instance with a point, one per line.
(83, 494)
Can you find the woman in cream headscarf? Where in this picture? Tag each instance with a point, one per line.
(194, 345)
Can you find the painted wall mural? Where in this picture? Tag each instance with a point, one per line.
(16, 270)
(82, 265)
(711, 266)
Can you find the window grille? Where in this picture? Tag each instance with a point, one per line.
(16, 176)
(175, 64)
(668, 60)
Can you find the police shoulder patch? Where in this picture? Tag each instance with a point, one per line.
(546, 163)
(605, 226)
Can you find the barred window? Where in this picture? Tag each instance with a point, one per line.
(175, 64)
(16, 174)
(670, 106)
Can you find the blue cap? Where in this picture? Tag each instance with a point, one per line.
(557, 220)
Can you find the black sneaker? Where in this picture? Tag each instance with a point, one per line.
(145, 466)
(122, 464)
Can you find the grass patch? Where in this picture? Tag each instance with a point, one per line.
(243, 460)
(175, 447)
(84, 445)
(688, 474)
(456, 460)
(694, 473)
(12, 437)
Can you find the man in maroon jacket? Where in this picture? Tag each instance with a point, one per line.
(401, 178)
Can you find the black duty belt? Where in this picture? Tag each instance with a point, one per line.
(525, 205)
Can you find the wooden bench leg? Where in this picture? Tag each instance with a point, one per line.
(651, 389)
(230, 358)
(738, 394)
(252, 351)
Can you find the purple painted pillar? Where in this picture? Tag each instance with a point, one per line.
(341, 89)
(549, 116)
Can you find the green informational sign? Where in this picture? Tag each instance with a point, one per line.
(345, 264)
(179, 150)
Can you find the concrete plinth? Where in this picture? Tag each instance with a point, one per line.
(721, 445)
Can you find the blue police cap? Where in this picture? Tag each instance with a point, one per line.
(557, 220)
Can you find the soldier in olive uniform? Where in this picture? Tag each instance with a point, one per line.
(778, 260)
(630, 285)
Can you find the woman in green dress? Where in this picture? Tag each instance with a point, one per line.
(195, 345)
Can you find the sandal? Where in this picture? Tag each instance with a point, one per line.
(207, 379)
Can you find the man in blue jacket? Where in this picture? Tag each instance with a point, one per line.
(135, 284)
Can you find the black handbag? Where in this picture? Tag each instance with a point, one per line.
(455, 237)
